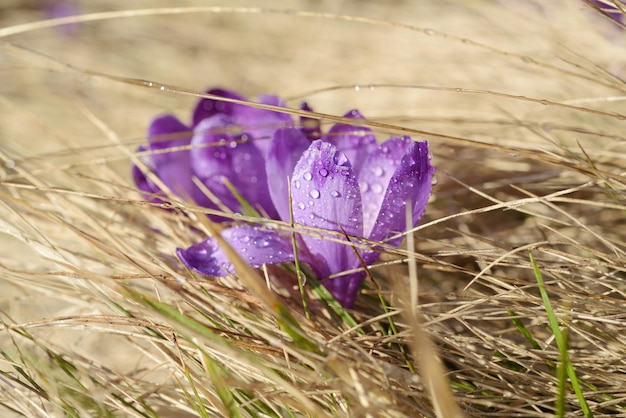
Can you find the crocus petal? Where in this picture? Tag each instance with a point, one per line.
(168, 133)
(380, 167)
(326, 195)
(310, 127)
(172, 167)
(356, 142)
(412, 181)
(209, 107)
(235, 160)
(260, 124)
(255, 245)
(140, 179)
(285, 150)
(345, 288)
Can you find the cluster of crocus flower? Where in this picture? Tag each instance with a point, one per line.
(341, 184)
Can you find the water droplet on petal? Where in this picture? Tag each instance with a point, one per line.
(379, 171)
(254, 179)
(245, 239)
(307, 176)
(314, 193)
(430, 155)
(301, 205)
(335, 193)
(434, 181)
(377, 188)
(262, 243)
(323, 172)
(297, 184)
(384, 149)
(364, 187)
(233, 144)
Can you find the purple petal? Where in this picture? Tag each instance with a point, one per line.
(260, 124)
(310, 127)
(140, 179)
(209, 107)
(236, 161)
(345, 288)
(326, 195)
(63, 8)
(412, 181)
(380, 166)
(285, 150)
(255, 245)
(172, 167)
(167, 128)
(356, 142)
(168, 133)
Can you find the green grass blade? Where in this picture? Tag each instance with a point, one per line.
(561, 342)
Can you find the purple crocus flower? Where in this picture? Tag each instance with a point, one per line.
(223, 144)
(342, 183)
(611, 11)
(63, 8)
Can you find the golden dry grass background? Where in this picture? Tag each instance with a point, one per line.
(523, 105)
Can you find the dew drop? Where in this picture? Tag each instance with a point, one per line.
(310, 203)
(254, 179)
(364, 187)
(323, 172)
(262, 243)
(335, 193)
(430, 155)
(301, 205)
(233, 144)
(357, 88)
(384, 149)
(377, 188)
(379, 171)
(434, 181)
(296, 184)
(245, 239)
(307, 176)
(314, 193)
